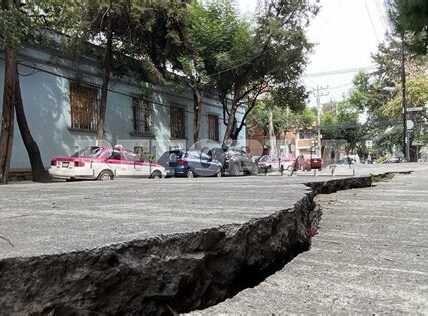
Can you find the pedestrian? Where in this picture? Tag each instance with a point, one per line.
(369, 159)
(332, 156)
(349, 160)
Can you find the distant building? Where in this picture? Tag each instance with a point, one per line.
(306, 142)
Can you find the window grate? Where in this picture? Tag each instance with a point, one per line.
(83, 107)
(177, 122)
(142, 117)
(213, 130)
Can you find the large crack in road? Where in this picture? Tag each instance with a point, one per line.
(165, 274)
(370, 257)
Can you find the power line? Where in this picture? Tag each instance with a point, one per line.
(341, 86)
(381, 14)
(338, 72)
(38, 69)
(371, 20)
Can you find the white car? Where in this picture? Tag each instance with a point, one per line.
(104, 163)
(270, 163)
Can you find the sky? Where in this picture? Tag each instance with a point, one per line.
(346, 33)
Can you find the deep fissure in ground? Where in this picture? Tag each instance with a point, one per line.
(166, 274)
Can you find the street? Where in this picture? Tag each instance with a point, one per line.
(370, 253)
(370, 257)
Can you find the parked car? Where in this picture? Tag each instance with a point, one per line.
(308, 162)
(104, 163)
(396, 159)
(345, 161)
(181, 163)
(268, 163)
(234, 161)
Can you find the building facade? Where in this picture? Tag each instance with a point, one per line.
(61, 98)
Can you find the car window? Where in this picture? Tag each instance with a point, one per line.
(89, 152)
(193, 154)
(131, 156)
(205, 156)
(116, 155)
(264, 158)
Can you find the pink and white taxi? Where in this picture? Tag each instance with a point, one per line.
(104, 163)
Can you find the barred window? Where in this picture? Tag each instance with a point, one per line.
(142, 117)
(84, 107)
(213, 132)
(177, 122)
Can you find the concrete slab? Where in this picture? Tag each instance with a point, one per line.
(370, 257)
(62, 217)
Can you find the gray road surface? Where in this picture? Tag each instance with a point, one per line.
(370, 257)
(63, 217)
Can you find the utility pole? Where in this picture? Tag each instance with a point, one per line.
(319, 94)
(406, 143)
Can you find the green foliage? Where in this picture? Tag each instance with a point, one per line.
(417, 95)
(23, 23)
(343, 123)
(410, 17)
(284, 119)
(378, 95)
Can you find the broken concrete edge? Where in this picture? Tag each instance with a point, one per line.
(387, 175)
(168, 273)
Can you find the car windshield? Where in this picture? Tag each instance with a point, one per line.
(170, 156)
(89, 152)
(264, 158)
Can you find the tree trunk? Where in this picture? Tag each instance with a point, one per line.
(272, 136)
(6, 137)
(229, 135)
(197, 113)
(38, 171)
(104, 88)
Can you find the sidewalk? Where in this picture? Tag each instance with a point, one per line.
(370, 257)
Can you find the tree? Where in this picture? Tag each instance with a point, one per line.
(343, 123)
(18, 24)
(410, 18)
(276, 120)
(151, 32)
(417, 95)
(246, 61)
(8, 23)
(284, 119)
(274, 55)
(191, 69)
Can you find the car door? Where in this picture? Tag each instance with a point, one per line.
(195, 163)
(247, 163)
(134, 165)
(115, 163)
(209, 167)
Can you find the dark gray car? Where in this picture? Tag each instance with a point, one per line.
(181, 163)
(234, 161)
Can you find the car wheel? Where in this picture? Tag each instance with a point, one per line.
(156, 175)
(190, 174)
(105, 175)
(234, 171)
